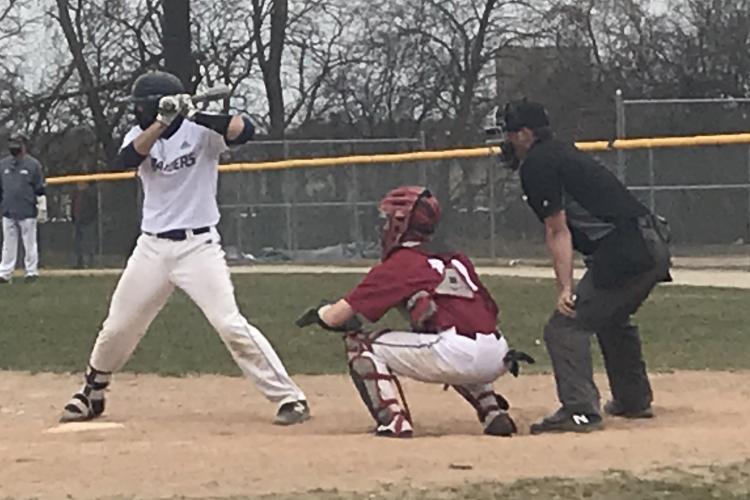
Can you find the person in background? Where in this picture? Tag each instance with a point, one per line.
(23, 201)
(83, 212)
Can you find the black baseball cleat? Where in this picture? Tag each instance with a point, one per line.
(291, 413)
(615, 409)
(4, 281)
(501, 425)
(30, 279)
(565, 421)
(80, 409)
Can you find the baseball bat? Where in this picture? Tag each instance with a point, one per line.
(211, 94)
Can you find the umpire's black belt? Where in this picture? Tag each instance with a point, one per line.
(179, 234)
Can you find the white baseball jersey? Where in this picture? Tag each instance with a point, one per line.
(179, 178)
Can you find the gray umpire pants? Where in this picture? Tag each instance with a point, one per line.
(605, 313)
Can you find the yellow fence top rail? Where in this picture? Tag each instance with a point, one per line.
(644, 143)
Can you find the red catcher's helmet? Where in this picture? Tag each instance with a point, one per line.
(411, 214)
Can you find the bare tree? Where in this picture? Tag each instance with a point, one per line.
(109, 42)
(224, 50)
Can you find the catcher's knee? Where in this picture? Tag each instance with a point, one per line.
(359, 342)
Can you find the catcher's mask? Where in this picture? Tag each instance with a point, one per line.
(146, 92)
(411, 214)
(512, 117)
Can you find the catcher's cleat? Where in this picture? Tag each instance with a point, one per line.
(615, 409)
(292, 413)
(501, 425)
(80, 409)
(400, 427)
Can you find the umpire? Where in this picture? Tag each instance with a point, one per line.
(584, 207)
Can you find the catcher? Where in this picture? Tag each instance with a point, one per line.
(453, 340)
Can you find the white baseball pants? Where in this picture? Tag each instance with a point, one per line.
(445, 358)
(27, 228)
(197, 266)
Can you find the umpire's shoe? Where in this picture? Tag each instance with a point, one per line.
(566, 421)
(291, 413)
(80, 408)
(615, 409)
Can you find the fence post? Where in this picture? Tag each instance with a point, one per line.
(238, 213)
(651, 181)
(747, 236)
(99, 225)
(491, 175)
(357, 229)
(422, 165)
(620, 126)
(289, 205)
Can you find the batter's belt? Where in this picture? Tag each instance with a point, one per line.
(179, 234)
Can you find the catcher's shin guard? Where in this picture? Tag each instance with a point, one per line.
(88, 403)
(378, 387)
(491, 408)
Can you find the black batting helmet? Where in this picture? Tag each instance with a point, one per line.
(146, 92)
(154, 85)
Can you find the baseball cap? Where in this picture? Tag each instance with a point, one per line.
(17, 138)
(524, 113)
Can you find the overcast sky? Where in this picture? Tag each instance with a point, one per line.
(42, 46)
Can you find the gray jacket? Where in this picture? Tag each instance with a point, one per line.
(21, 181)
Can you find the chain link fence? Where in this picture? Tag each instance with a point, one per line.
(330, 213)
(703, 191)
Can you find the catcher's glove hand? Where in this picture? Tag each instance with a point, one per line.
(513, 357)
(312, 317)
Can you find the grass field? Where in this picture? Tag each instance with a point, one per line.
(51, 325)
(716, 483)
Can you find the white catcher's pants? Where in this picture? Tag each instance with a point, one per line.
(11, 228)
(445, 358)
(197, 266)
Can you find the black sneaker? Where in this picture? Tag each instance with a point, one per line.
(615, 409)
(4, 281)
(292, 413)
(30, 279)
(564, 421)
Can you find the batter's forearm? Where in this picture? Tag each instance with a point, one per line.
(146, 139)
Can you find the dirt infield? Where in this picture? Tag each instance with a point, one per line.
(212, 436)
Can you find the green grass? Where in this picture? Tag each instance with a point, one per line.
(707, 483)
(51, 325)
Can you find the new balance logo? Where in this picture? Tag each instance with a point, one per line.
(185, 145)
(580, 419)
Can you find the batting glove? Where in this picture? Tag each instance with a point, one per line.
(171, 106)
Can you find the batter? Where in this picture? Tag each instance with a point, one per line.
(176, 150)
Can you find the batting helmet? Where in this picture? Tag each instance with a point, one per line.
(411, 214)
(148, 89)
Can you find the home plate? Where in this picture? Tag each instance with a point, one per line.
(84, 426)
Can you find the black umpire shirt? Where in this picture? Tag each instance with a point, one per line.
(601, 213)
